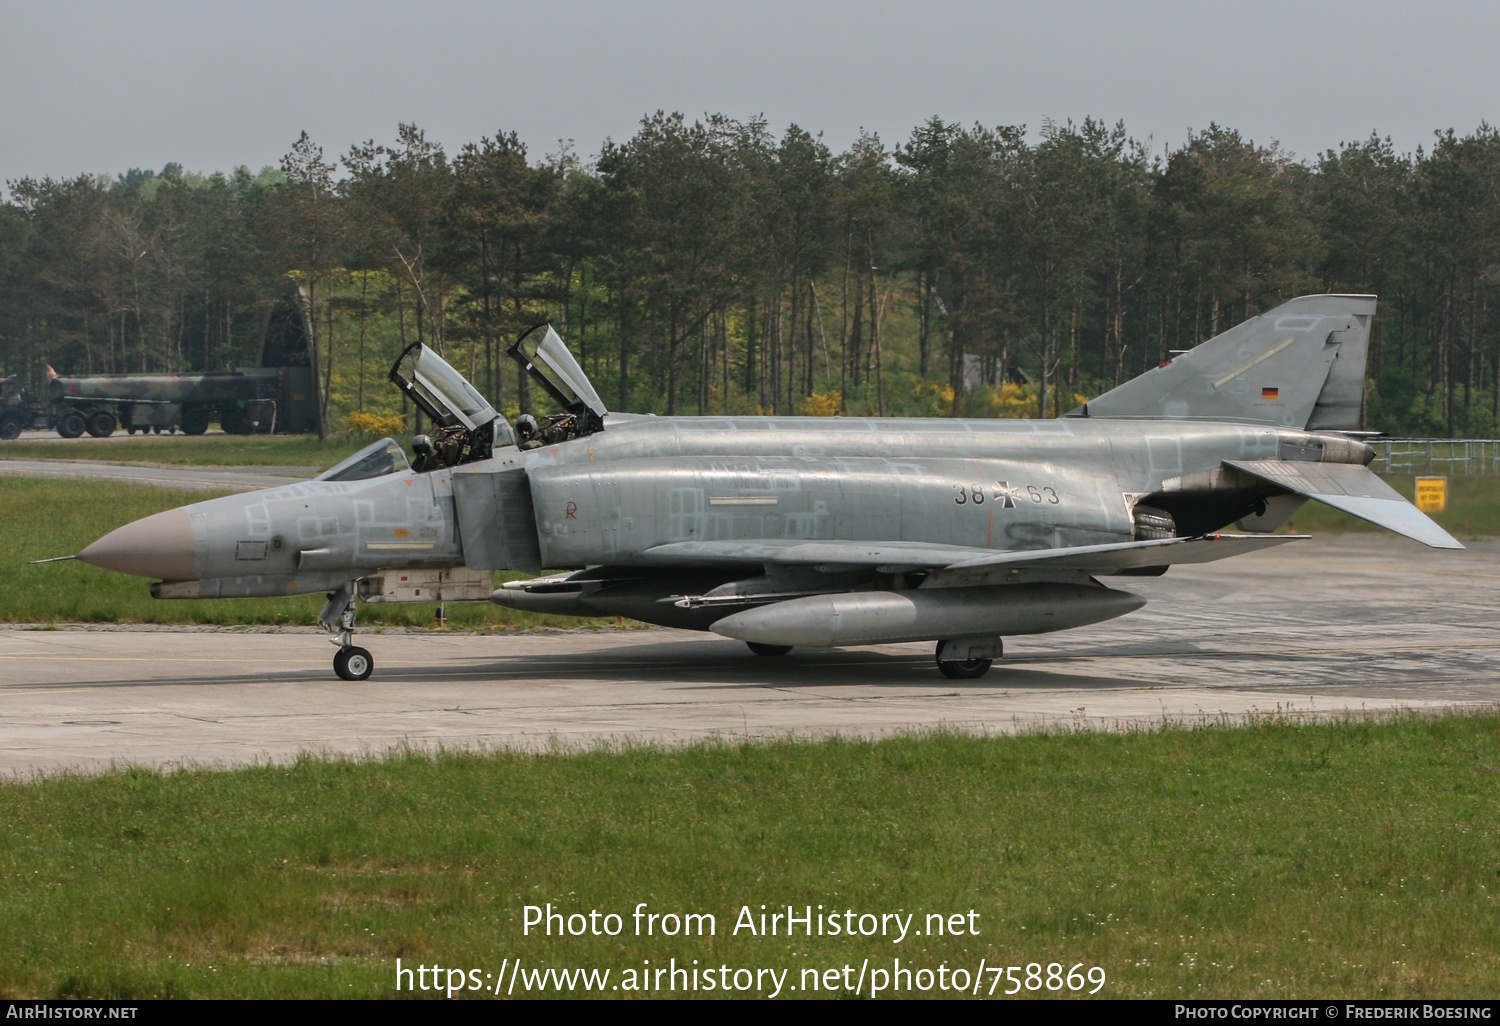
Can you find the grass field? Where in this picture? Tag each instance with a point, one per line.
(49, 518)
(1331, 860)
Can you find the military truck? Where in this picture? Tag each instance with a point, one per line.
(243, 402)
(17, 412)
(280, 395)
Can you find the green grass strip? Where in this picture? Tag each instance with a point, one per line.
(1351, 859)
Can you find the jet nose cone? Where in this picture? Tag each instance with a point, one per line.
(159, 546)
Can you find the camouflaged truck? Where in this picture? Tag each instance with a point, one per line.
(17, 412)
(280, 395)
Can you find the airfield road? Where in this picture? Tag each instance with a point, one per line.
(207, 479)
(1352, 624)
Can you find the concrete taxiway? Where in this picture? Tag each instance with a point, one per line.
(1356, 624)
(208, 479)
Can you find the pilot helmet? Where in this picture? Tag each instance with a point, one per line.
(421, 445)
(526, 427)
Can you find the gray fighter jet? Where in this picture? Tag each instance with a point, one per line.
(785, 531)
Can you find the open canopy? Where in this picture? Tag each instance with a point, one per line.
(546, 359)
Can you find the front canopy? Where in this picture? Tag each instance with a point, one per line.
(375, 460)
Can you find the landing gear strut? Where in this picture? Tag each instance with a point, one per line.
(351, 662)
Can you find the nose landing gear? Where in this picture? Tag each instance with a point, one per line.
(351, 662)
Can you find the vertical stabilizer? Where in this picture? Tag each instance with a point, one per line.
(1300, 365)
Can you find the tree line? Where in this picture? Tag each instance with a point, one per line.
(713, 265)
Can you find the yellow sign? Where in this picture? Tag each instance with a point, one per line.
(1432, 494)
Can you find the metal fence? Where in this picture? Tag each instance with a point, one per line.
(1436, 456)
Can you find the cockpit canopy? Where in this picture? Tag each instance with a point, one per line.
(543, 356)
(375, 460)
(467, 426)
(440, 391)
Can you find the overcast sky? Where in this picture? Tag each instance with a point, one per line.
(100, 86)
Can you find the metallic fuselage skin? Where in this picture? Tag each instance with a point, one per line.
(648, 481)
(997, 484)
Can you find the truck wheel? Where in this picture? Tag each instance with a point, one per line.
(10, 428)
(194, 422)
(71, 424)
(102, 424)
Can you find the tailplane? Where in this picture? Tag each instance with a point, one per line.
(1300, 365)
(1353, 489)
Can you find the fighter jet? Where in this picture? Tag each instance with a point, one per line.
(799, 531)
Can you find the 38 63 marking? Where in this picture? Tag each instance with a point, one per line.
(972, 493)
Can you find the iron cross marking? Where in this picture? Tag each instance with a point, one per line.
(1006, 495)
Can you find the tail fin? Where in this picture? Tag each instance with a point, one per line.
(1300, 365)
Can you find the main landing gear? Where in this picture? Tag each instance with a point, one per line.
(351, 662)
(968, 658)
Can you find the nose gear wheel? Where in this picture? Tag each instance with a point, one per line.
(353, 663)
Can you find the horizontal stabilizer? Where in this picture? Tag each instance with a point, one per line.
(894, 555)
(1353, 489)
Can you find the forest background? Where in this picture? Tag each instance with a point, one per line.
(714, 266)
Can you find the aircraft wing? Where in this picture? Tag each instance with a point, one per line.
(913, 555)
(1353, 489)
(1129, 555)
(895, 556)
